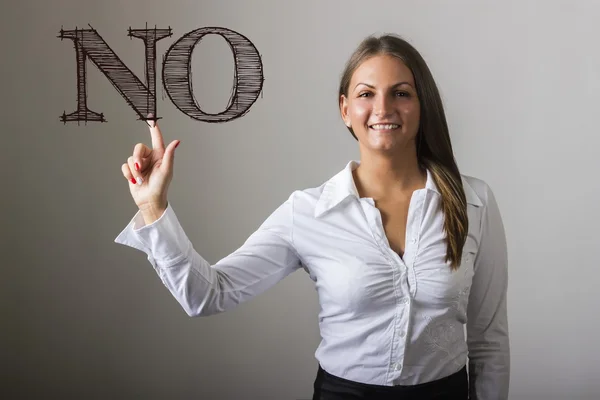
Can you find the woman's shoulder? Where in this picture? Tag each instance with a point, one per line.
(477, 189)
(315, 200)
(306, 200)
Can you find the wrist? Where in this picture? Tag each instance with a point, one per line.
(152, 212)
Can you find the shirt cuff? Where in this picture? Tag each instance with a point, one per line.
(163, 240)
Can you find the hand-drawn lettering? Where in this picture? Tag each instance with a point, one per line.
(248, 75)
(89, 45)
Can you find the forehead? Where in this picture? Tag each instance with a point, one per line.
(382, 69)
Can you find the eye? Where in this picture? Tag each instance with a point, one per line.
(402, 94)
(364, 94)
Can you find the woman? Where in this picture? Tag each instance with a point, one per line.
(404, 250)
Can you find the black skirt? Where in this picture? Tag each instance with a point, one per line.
(330, 387)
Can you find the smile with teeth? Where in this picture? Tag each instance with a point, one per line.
(384, 126)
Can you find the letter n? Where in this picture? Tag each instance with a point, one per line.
(89, 45)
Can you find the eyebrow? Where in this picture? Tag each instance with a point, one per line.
(373, 87)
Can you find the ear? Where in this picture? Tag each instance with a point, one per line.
(344, 111)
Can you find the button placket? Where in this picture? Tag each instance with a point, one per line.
(409, 282)
(376, 226)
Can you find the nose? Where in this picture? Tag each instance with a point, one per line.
(383, 106)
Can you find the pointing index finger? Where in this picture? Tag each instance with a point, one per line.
(157, 139)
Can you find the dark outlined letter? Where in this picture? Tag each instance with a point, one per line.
(248, 75)
(90, 45)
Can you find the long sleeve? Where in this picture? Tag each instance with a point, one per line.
(487, 320)
(265, 258)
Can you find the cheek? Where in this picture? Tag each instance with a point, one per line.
(411, 112)
(359, 111)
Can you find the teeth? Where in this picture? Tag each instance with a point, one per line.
(385, 126)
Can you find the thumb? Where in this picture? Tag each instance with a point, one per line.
(169, 154)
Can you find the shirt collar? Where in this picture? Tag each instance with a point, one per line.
(341, 187)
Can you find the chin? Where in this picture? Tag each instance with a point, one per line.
(381, 146)
(383, 140)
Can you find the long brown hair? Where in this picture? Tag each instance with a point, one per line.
(434, 149)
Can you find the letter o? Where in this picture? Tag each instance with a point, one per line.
(248, 74)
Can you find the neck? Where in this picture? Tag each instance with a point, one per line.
(383, 176)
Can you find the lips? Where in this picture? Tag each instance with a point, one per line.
(384, 127)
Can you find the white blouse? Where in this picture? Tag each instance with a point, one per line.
(384, 319)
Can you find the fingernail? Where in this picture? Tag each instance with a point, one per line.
(140, 180)
(133, 180)
(177, 144)
(137, 166)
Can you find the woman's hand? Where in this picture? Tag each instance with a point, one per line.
(149, 172)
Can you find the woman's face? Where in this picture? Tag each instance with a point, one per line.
(382, 106)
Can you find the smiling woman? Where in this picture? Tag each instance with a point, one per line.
(403, 249)
(382, 106)
(390, 103)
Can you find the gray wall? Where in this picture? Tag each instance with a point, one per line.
(89, 319)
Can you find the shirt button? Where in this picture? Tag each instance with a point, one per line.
(402, 334)
(414, 240)
(404, 300)
(396, 367)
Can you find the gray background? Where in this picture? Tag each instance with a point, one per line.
(86, 318)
